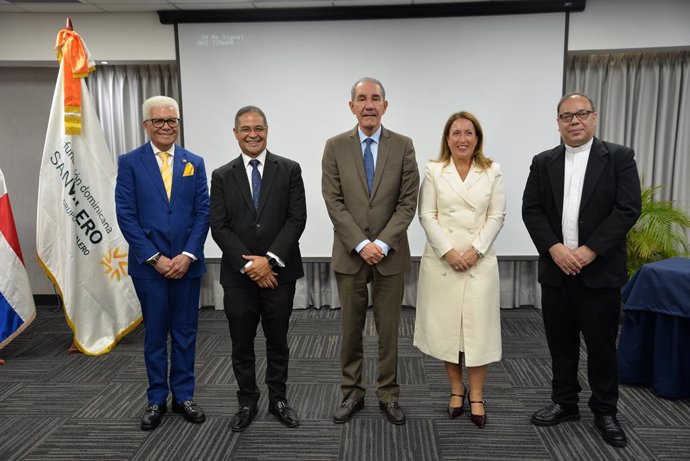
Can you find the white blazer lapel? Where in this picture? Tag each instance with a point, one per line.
(460, 187)
(474, 175)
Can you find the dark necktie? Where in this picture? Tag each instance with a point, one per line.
(369, 164)
(256, 181)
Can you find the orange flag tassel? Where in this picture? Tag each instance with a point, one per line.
(77, 64)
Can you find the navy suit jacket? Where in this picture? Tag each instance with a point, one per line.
(240, 229)
(149, 222)
(609, 207)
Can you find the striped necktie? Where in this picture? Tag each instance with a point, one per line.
(166, 172)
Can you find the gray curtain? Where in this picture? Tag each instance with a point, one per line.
(317, 289)
(643, 100)
(118, 93)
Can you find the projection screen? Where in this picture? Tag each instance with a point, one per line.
(507, 70)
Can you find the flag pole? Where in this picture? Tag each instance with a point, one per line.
(72, 349)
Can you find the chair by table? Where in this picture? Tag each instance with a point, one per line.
(654, 345)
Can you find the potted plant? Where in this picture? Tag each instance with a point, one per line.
(659, 233)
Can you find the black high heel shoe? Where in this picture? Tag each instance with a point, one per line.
(454, 412)
(478, 420)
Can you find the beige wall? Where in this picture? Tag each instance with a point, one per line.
(126, 37)
(630, 24)
(25, 98)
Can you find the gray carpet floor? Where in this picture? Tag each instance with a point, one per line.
(56, 406)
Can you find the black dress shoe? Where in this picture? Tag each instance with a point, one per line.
(284, 413)
(152, 416)
(190, 410)
(347, 410)
(243, 418)
(554, 414)
(393, 412)
(610, 430)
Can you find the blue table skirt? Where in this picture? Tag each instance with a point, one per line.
(654, 350)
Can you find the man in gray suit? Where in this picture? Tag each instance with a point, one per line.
(370, 183)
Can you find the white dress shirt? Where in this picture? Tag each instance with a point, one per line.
(575, 167)
(374, 146)
(250, 170)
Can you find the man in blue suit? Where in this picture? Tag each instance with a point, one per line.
(162, 204)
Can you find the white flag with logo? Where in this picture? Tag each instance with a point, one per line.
(78, 241)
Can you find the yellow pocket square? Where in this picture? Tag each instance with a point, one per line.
(188, 170)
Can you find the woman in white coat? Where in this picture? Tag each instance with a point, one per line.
(461, 208)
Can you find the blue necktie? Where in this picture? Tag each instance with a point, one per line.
(369, 164)
(256, 181)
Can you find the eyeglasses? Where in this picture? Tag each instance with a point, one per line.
(259, 129)
(581, 115)
(160, 122)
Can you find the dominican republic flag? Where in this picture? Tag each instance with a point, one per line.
(17, 309)
(78, 241)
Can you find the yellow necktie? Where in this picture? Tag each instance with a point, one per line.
(166, 172)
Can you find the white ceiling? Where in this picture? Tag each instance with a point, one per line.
(128, 6)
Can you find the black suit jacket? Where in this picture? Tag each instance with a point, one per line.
(276, 226)
(609, 207)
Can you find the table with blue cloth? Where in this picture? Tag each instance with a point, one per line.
(654, 345)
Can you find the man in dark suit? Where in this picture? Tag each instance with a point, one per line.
(580, 200)
(370, 183)
(258, 213)
(162, 204)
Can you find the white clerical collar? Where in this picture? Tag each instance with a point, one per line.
(583, 148)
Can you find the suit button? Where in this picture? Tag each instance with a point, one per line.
(169, 211)
(258, 226)
(366, 229)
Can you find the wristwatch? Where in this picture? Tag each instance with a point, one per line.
(273, 262)
(478, 253)
(153, 259)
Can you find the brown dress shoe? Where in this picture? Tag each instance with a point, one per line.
(347, 410)
(393, 412)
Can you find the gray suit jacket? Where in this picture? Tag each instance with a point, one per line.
(356, 216)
